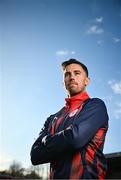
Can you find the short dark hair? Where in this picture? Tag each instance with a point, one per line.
(74, 61)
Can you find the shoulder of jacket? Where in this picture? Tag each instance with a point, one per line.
(95, 101)
(98, 100)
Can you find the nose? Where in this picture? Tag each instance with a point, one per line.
(72, 77)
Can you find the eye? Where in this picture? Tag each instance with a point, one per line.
(77, 72)
(67, 74)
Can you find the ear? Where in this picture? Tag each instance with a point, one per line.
(87, 81)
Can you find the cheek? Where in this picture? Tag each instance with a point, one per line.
(65, 82)
(81, 82)
(80, 79)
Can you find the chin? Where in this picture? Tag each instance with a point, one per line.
(73, 93)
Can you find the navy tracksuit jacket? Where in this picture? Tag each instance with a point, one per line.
(72, 141)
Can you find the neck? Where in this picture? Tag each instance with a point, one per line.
(72, 95)
(75, 101)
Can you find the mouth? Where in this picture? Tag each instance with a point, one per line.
(72, 84)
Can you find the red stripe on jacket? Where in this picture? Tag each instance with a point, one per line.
(77, 166)
(92, 148)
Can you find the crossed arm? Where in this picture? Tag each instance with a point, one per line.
(51, 147)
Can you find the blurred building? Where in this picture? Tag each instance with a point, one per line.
(114, 165)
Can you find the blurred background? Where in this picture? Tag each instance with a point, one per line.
(36, 36)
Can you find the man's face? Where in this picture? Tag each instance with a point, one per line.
(75, 79)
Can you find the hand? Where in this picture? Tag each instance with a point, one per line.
(44, 140)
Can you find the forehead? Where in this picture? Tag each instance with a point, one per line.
(73, 67)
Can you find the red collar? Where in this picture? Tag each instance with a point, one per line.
(76, 101)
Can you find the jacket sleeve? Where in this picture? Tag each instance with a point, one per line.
(38, 146)
(77, 135)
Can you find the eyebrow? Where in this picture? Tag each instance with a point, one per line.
(74, 71)
(77, 71)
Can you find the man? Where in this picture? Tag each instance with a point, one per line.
(72, 140)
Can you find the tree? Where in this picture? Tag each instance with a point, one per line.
(16, 170)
